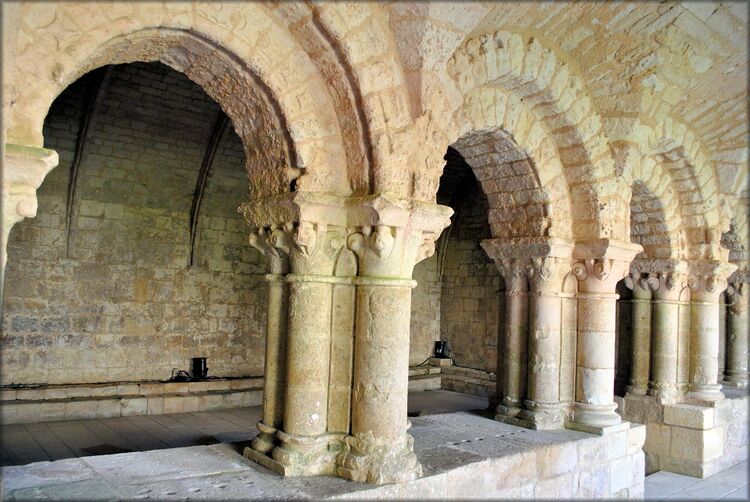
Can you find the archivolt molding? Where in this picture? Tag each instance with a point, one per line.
(705, 212)
(544, 99)
(56, 43)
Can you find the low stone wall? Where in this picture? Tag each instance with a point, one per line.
(71, 402)
(468, 381)
(506, 462)
(690, 439)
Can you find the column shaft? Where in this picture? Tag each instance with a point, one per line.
(516, 342)
(379, 448)
(595, 374)
(308, 358)
(641, 338)
(737, 337)
(704, 350)
(665, 349)
(275, 364)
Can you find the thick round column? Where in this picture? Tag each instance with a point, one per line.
(641, 339)
(601, 264)
(595, 375)
(516, 340)
(707, 281)
(666, 334)
(704, 350)
(275, 364)
(543, 404)
(381, 451)
(665, 347)
(304, 438)
(736, 372)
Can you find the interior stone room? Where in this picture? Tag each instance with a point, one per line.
(373, 250)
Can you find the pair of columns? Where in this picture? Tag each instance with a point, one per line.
(536, 272)
(339, 312)
(676, 330)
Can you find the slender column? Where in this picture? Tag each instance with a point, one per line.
(305, 448)
(275, 247)
(601, 264)
(543, 406)
(722, 337)
(515, 338)
(707, 280)
(379, 449)
(641, 333)
(736, 373)
(669, 287)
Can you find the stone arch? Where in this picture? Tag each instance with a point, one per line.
(693, 178)
(655, 213)
(524, 201)
(56, 43)
(523, 83)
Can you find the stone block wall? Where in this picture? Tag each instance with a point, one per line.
(690, 439)
(122, 304)
(425, 310)
(472, 302)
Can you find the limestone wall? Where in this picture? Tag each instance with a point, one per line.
(425, 310)
(471, 306)
(124, 305)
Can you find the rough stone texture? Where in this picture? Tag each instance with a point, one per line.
(691, 439)
(461, 454)
(620, 133)
(125, 296)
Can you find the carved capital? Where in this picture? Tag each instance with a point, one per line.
(24, 169)
(274, 244)
(546, 273)
(388, 235)
(601, 263)
(667, 278)
(707, 279)
(737, 297)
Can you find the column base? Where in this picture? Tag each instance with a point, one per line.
(300, 455)
(593, 416)
(368, 459)
(734, 378)
(704, 394)
(507, 414)
(664, 394)
(599, 430)
(265, 441)
(542, 416)
(637, 389)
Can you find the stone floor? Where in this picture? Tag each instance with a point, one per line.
(188, 465)
(22, 444)
(731, 484)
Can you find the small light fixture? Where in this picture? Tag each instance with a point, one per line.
(200, 371)
(441, 349)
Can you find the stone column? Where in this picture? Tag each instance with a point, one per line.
(305, 447)
(275, 247)
(543, 404)
(600, 265)
(722, 359)
(24, 169)
(641, 333)
(736, 373)
(393, 239)
(707, 280)
(669, 286)
(515, 338)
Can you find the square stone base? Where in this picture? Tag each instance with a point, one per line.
(691, 439)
